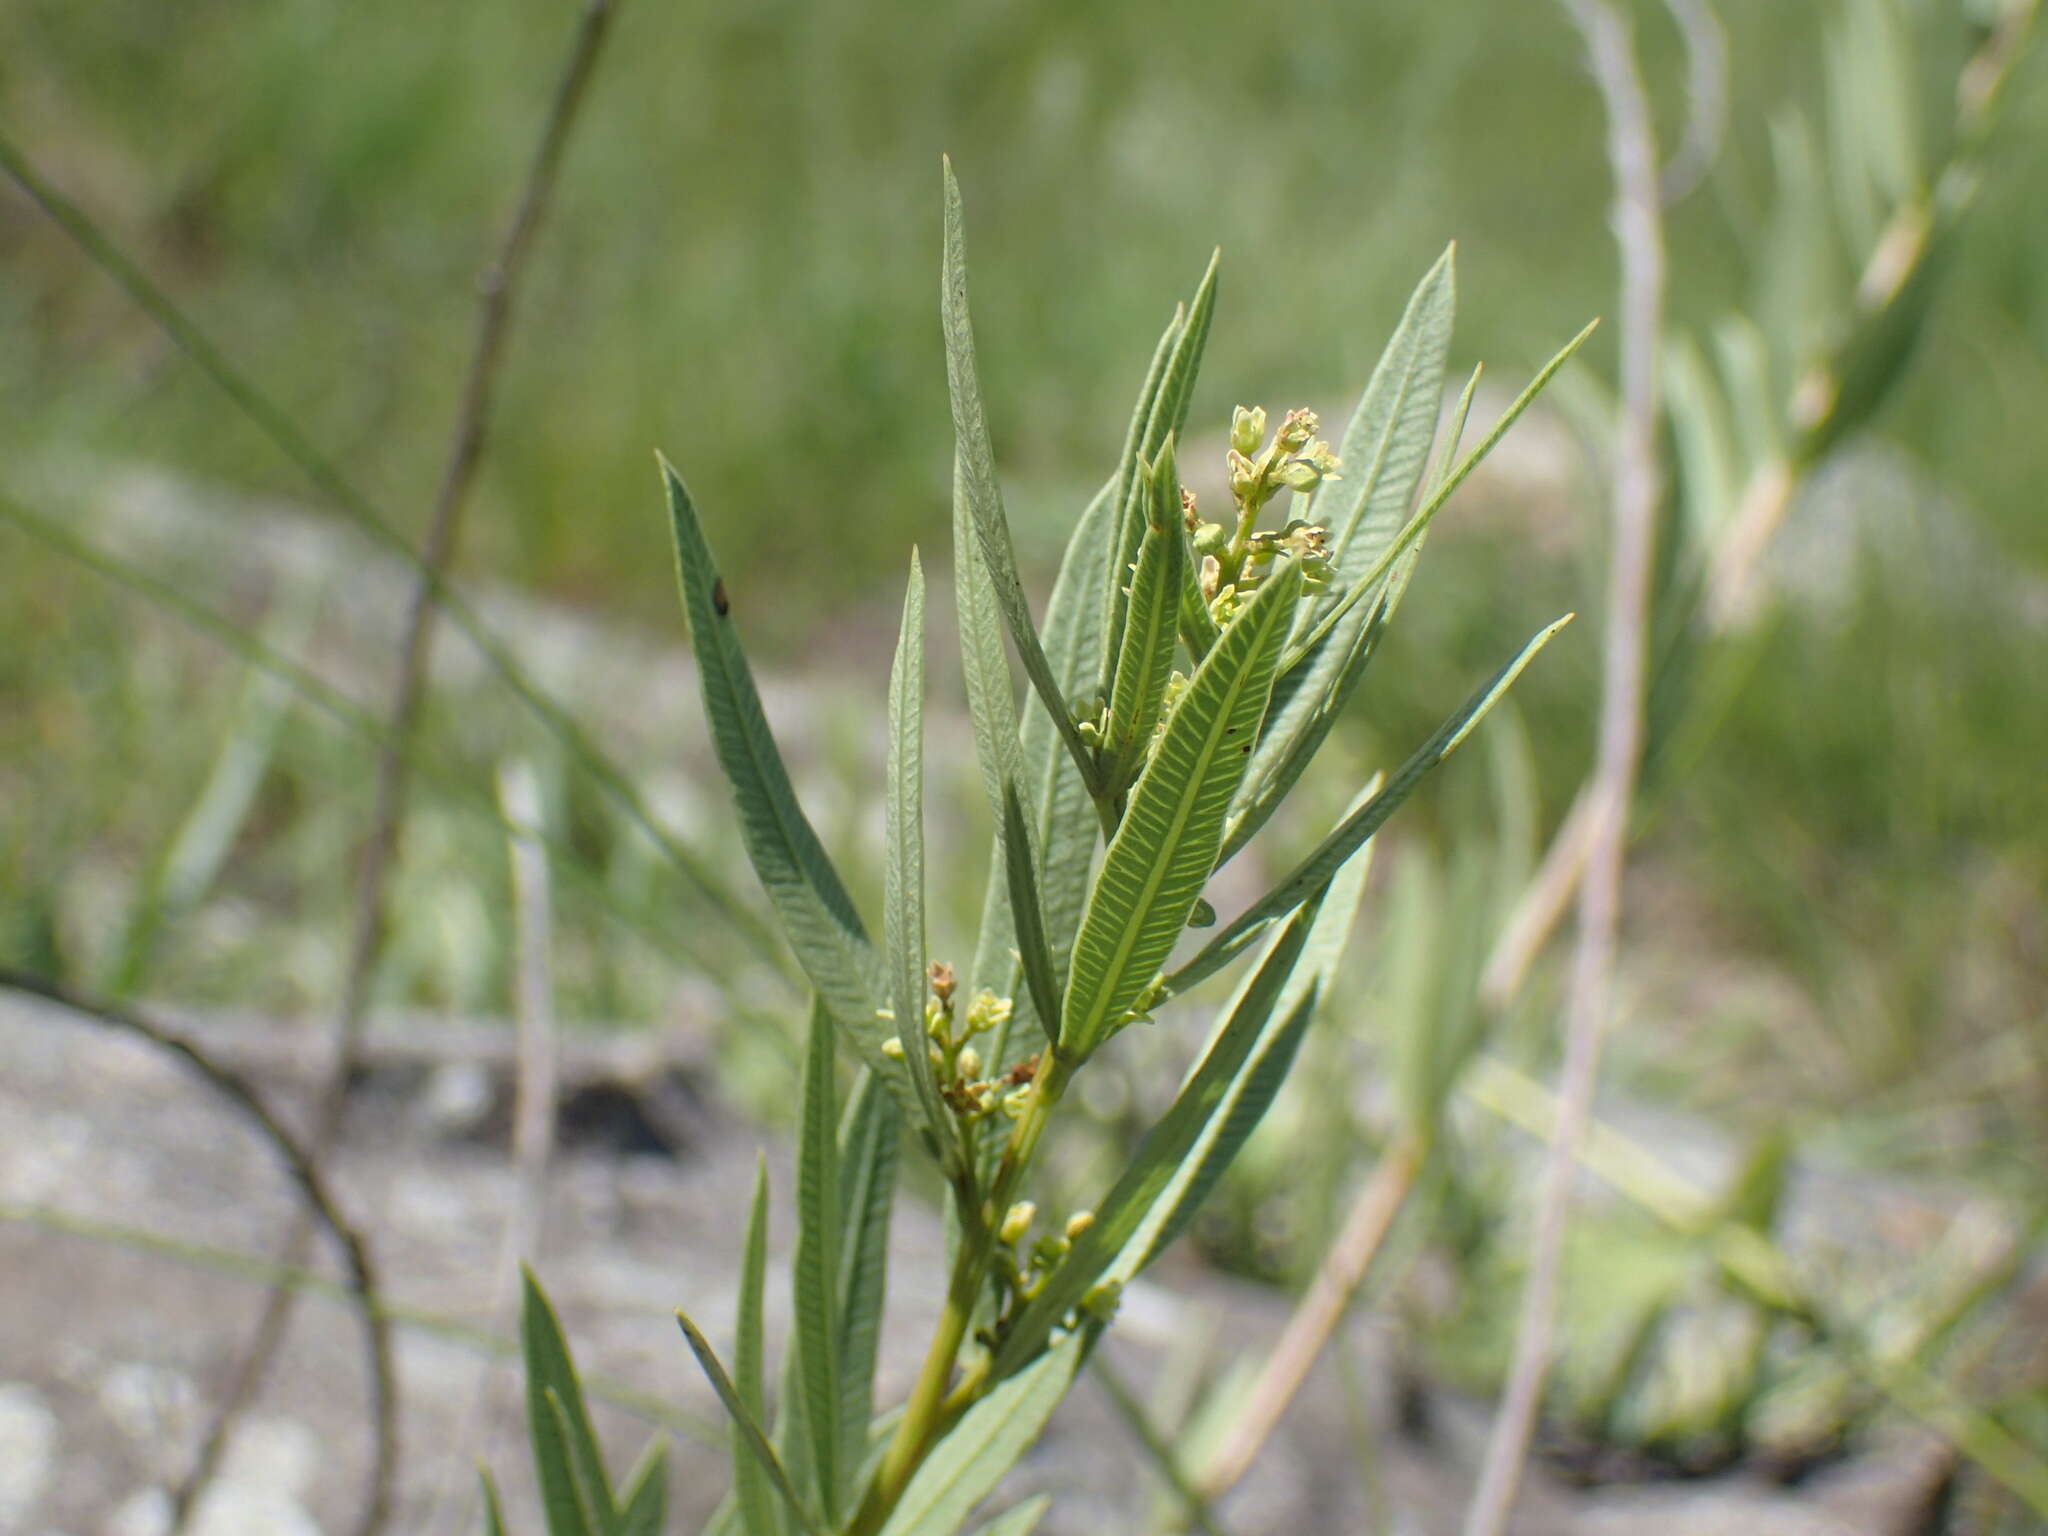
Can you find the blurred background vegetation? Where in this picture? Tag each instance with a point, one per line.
(1836, 920)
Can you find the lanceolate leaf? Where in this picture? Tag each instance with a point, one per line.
(1021, 1521)
(903, 867)
(816, 1265)
(1350, 834)
(1057, 807)
(1166, 419)
(976, 456)
(1160, 1156)
(966, 1466)
(1387, 442)
(1150, 625)
(867, 1192)
(1256, 1082)
(984, 663)
(1308, 700)
(1416, 525)
(1167, 843)
(643, 1506)
(1029, 919)
(758, 1513)
(749, 1426)
(816, 912)
(572, 1507)
(570, 1464)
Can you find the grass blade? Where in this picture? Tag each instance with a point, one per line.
(805, 890)
(816, 1265)
(867, 1191)
(1353, 831)
(1167, 844)
(749, 1426)
(1151, 624)
(1029, 919)
(758, 1514)
(643, 1506)
(976, 457)
(965, 1467)
(577, 1460)
(1160, 1157)
(903, 934)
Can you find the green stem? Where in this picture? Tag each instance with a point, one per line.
(929, 1411)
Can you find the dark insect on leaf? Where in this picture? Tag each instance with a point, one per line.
(718, 598)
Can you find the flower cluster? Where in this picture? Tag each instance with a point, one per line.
(949, 1044)
(1233, 560)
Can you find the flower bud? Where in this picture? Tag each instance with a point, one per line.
(1296, 430)
(942, 982)
(893, 1048)
(1247, 429)
(1018, 1221)
(969, 1063)
(1078, 1223)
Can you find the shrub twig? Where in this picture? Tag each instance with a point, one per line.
(300, 1162)
(499, 288)
(1639, 236)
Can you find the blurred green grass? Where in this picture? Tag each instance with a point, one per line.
(742, 271)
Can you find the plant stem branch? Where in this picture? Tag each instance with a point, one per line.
(930, 1410)
(303, 1165)
(1315, 1320)
(499, 287)
(1639, 237)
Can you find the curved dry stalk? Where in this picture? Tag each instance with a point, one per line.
(302, 1165)
(499, 286)
(1706, 96)
(1639, 235)
(1316, 1318)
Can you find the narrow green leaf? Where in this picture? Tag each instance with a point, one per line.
(1355, 829)
(549, 1369)
(805, 890)
(643, 1505)
(976, 457)
(1387, 442)
(1151, 624)
(1416, 525)
(964, 1468)
(984, 663)
(1153, 1168)
(1256, 1082)
(1167, 418)
(567, 1500)
(494, 1513)
(868, 1135)
(758, 1513)
(903, 936)
(1167, 844)
(749, 1426)
(1309, 699)
(1058, 807)
(816, 1264)
(1021, 1521)
(1028, 917)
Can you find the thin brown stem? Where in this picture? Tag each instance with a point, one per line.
(1316, 1318)
(472, 424)
(301, 1163)
(1639, 235)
